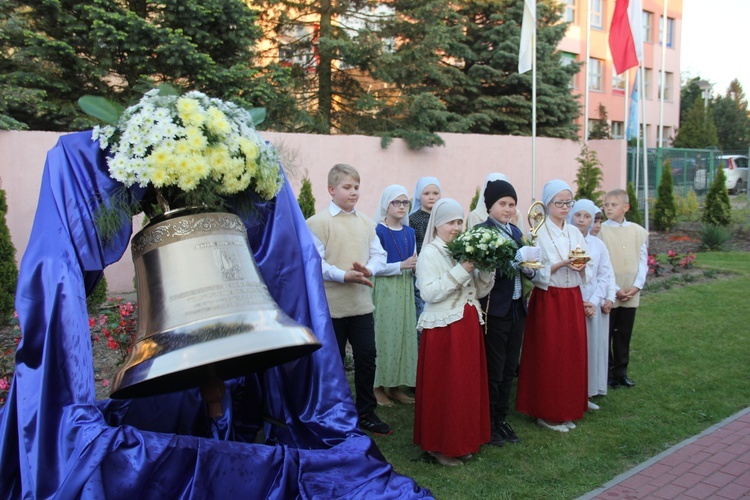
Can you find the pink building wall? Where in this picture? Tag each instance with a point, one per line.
(461, 167)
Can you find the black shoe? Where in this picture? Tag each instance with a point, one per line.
(614, 383)
(507, 432)
(496, 439)
(371, 423)
(626, 382)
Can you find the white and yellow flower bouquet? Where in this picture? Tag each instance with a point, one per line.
(190, 150)
(487, 249)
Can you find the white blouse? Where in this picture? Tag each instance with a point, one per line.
(602, 286)
(446, 287)
(555, 245)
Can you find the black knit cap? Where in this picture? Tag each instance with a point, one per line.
(496, 190)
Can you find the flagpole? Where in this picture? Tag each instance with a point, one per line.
(663, 75)
(533, 112)
(645, 145)
(586, 79)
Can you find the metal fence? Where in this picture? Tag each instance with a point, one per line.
(692, 169)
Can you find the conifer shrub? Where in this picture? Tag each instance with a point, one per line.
(634, 214)
(306, 200)
(665, 213)
(717, 210)
(589, 176)
(474, 200)
(8, 267)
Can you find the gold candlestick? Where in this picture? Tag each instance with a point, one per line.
(536, 218)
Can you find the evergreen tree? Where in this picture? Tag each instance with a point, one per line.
(474, 200)
(56, 51)
(717, 211)
(589, 176)
(698, 129)
(601, 130)
(689, 92)
(634, 214)
(306, 200)
(731, 118)
(665, 212)
(8, 268)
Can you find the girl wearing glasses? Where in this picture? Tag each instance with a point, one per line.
(553, 377)
(395, 316)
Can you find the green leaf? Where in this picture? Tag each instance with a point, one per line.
(166, 89)
(258, 115)
(101, 108)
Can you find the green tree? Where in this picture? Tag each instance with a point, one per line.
(731, 118)
(634, 214)
(698, 129)
(56, 51)
(474, 200)
(665, 212)
(600, 129)
(306, 200)
(717, 211)
(589, 176)
(8, 268)
(689, 92)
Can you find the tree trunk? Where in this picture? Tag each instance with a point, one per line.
(325, 61)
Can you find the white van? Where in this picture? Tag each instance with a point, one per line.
(735, 170)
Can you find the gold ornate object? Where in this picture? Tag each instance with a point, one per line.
(579, 256)
(536, 217)
(205, 314)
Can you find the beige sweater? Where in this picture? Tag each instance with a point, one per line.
(624, 245)
(346, 238)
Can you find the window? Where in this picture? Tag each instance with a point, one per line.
(648, 20)
(596, 73)
(665, 140)
(618, 130)
(570, 11)
(597, 14)
(670, 31)
(668, 79)
(647, 73)
(567, 59)
(618, 84)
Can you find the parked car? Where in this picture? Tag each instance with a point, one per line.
(735, 170)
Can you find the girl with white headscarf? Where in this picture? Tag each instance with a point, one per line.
(479, 214)
(426, 195)
(553, 378)
(393, 294)
(451, 418)
(598, 297)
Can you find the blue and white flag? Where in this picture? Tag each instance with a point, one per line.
(633, 113)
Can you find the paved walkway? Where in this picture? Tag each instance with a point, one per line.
(713, 464)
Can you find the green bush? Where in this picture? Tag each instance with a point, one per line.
(8, 268)
(97, 297)
(306, 200)
(717, 211)
(589, 176)
(474, 200)
(713, 238)
(665, 213)
(687, 206)
(634, 214)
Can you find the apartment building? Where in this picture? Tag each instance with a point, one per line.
(607, 88)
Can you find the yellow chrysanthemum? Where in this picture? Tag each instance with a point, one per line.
(249, 148)
(217, 121)
(195, 138)
(190, 112)
(160, 157)
(181, 147)
(160, 177)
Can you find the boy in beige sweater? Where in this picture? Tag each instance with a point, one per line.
(627, 244)
(351, 254)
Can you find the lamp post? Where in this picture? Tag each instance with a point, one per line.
(705, 87)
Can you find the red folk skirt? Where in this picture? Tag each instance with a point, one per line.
(553, 376)
(452, 413)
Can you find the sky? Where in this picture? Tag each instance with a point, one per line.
(715, 44)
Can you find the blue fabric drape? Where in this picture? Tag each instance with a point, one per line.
(57, 441)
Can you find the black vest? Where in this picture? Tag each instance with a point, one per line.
(501, 294)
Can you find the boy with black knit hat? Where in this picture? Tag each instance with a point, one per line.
(505, 312)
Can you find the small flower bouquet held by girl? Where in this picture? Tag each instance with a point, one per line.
(487, 249)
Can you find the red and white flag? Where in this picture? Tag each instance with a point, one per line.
(623, 39)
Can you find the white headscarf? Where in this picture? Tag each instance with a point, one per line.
(422, 183)
(481, 209)
(444, 210)
(389, 194)
(586, 206)
(552, 188)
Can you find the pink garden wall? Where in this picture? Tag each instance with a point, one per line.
(461, 166)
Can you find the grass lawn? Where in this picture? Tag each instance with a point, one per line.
(690, 356)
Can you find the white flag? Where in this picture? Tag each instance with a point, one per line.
(528, 32)
(635, 17)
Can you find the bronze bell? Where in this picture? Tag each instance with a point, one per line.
(204, 310)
